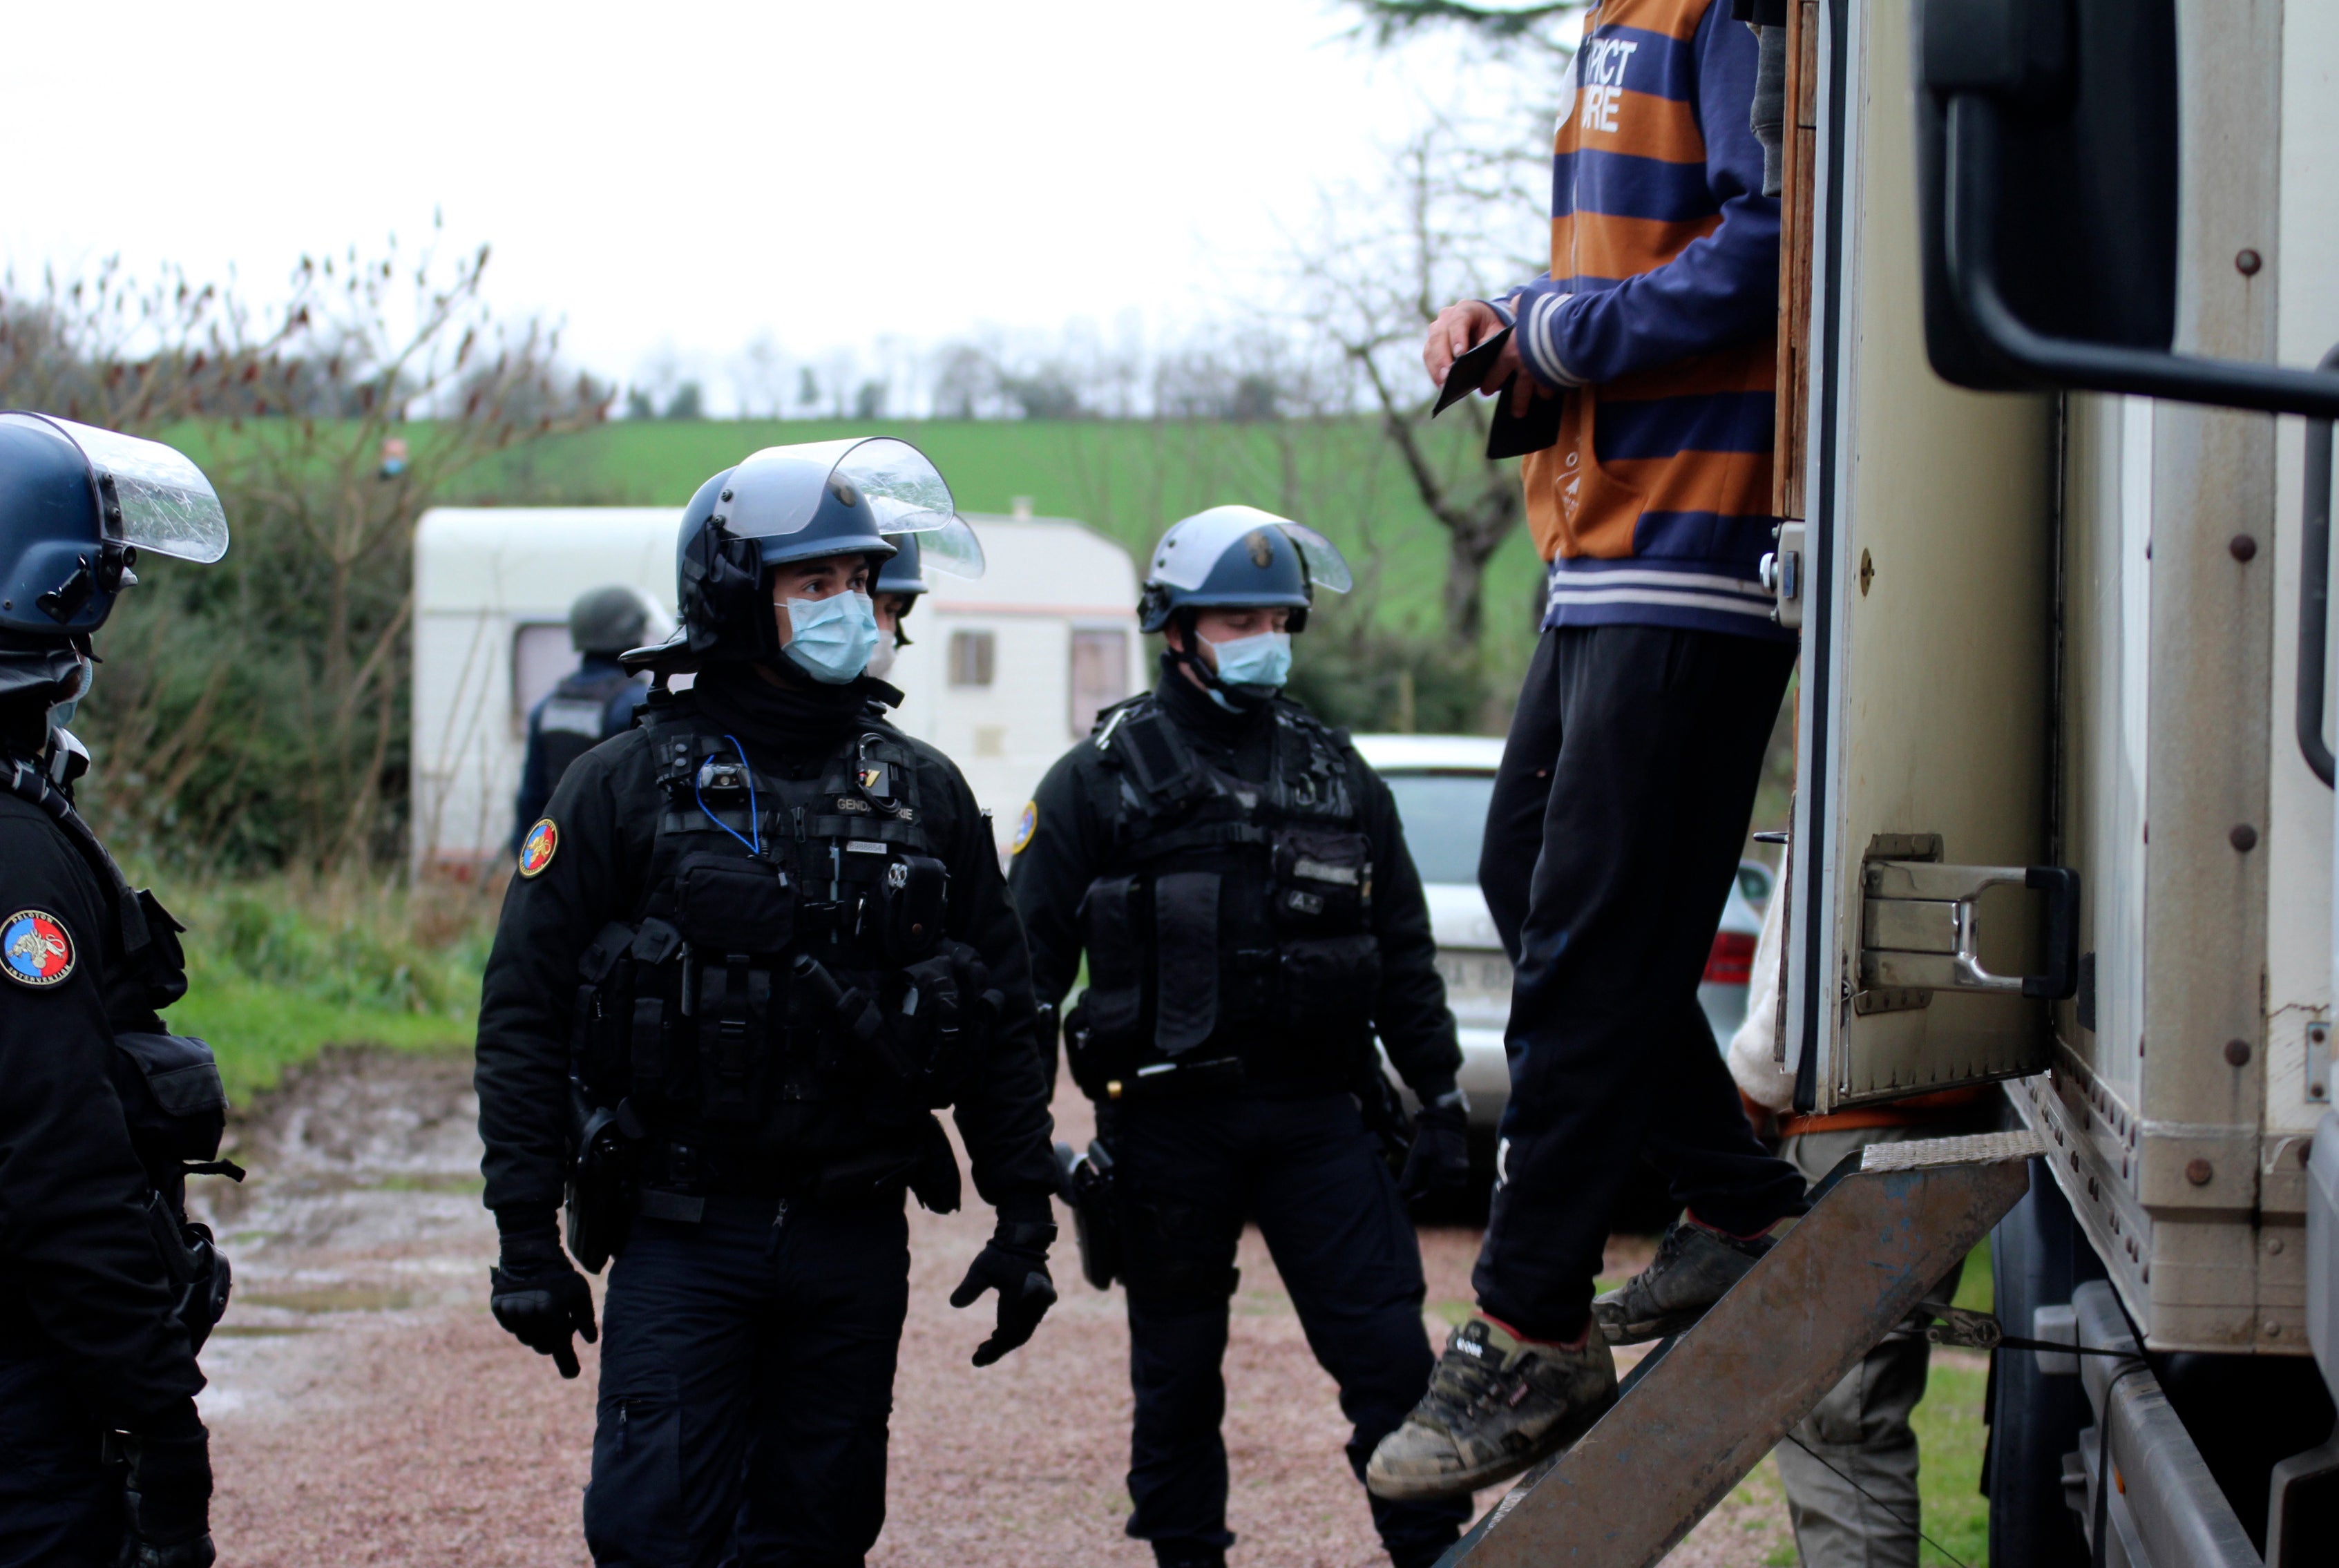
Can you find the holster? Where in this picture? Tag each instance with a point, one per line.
(1084, 1181)
(604, 1189)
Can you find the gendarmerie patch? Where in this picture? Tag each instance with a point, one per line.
(36, 951)
(536, 848)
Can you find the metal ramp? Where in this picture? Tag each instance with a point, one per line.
(1701, 1410)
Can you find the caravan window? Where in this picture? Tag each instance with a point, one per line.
(1100, 674)
(541, 656)
(972, 657)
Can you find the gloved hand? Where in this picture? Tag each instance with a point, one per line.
(169, 1494)
(541, 1298)
(1438, 1164)
(1015, 1263)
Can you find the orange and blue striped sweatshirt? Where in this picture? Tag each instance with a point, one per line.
(1659, 321)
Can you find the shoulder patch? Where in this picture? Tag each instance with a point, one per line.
(1025, 825)
(536, 848)
(36, 950)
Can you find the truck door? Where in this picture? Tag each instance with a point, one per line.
(1925, 580)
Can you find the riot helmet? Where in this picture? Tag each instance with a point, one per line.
(786, 504)
(1239, 558)
(78, 504)
(607, 621)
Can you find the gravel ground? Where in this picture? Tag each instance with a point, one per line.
(365, 1409)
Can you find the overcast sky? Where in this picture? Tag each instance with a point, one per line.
(692, 175)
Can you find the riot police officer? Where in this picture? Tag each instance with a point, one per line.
(753, 944)
(1238, 880)
(593, 702)
(106, 1291)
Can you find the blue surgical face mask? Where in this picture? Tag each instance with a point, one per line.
(1264, 660)
(831, 639)
(61, 714)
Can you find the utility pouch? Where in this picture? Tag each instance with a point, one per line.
(729, 904)
(935, 1180)
(166, 963)
(1186, 945)
(1323, 880)
(1113, 1004)
(171, 1093)
(916, 899)
(1094, 1064)
(1158, 762)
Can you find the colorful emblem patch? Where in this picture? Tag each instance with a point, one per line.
(536, 848)
(36, 950)
(1024, 826)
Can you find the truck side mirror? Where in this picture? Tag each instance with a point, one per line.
(2047, 172)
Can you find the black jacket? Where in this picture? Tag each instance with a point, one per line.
(606, 810)
(1065, 843)
(79, 1267)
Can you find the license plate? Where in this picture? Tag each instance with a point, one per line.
(1478, 986)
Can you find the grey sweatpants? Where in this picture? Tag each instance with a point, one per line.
(1861, 1428)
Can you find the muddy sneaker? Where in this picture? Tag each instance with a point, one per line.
(1495, 1406)
(1696, 1266)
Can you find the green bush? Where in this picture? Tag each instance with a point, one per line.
(280, 968)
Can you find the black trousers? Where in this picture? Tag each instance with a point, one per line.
(59, 1501)
(1304, 1167)
(746, 1380)
(1617, 819)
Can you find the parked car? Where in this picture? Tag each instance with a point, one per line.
(1443, 786)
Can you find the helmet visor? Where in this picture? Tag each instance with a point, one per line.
(953, 548)
(168, 507)
(776, 491)
(1187, 552)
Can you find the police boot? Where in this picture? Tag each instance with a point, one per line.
(1696, 1266)
(1496, 1404)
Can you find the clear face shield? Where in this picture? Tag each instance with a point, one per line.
(1186, 557)
(776, 493)
(153, 496)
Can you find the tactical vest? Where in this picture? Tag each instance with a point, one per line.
(1229, 910)
(785, 984)
(573, 719)
(172, 1100)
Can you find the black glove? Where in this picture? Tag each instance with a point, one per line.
(1438, 1163)
(168, 1494)
(541, 1298)
(1015, 1263)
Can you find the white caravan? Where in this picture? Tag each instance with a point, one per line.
(1002, 674)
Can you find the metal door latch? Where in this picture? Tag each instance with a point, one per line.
(1782, 572)
(1919, 928)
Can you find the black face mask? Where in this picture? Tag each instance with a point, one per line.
(747, 704)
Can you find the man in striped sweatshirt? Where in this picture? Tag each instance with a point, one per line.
(1630, 774)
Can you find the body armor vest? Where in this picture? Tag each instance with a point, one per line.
(785, 981)
(573, 719)
(1229, 910)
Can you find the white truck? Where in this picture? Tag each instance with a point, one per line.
(2057, 272)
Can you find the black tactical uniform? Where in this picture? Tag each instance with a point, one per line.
(106, 1291)
(758, 942)
(1242, 889)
